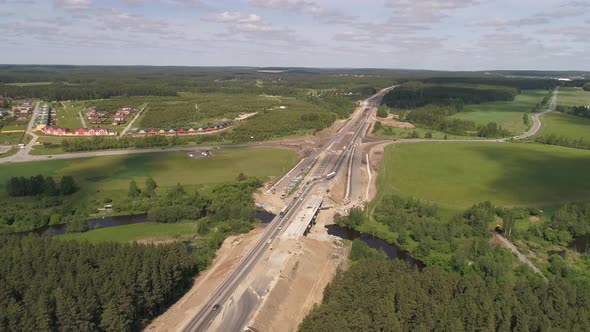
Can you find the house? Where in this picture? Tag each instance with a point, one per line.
(152, 132)
(191, 130)
(101, 132)
(162, 132)
(171, 132)
(181, 131)
(80, 132)
(142, 132)
(90, 132)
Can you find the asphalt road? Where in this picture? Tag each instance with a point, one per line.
(202, 320)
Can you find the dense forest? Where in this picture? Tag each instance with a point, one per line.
(518, 83)
(381, 295)
(39, 185)
(53, 285)
(416, 95)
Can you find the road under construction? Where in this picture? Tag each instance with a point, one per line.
(232, 304)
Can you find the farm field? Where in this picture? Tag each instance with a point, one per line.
(508, 114)
(573, 97)
(565, 125)
(457, 175)
(148, 231)
(102, 176)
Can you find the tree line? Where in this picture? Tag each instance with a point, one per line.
(381, 295)
(55, 285)
(586, 86)
(39, 185)
(517, 83)
(553, 139)
(581, 111)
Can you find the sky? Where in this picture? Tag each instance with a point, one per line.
(411, 34)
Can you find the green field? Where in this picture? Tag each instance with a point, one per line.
(573, 97)
(148, 231)
(66, 114)
(457, 175)
(565, 125)
(506, 113)
(11, 138)
(402, 133)
(109, 176)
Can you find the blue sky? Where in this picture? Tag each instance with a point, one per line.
(421, 34)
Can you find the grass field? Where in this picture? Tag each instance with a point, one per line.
(104, 175)
(402, 133)
(67, 114)
(573, 97)
(506, 113)
(11, 138)
(457, 175)
(565, 125)
(148, 231)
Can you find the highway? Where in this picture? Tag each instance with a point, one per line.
(329, 159)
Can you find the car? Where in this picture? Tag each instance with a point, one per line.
(216, 307)
(269, 241)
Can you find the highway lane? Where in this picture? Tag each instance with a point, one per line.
(202, 320)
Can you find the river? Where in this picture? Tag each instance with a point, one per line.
(392, 251)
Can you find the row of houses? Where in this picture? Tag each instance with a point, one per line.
(44, 118)
(78, 132)
(185, 131)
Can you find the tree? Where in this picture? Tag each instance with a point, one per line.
(377, 126)
(428, 135)
(67, 185)
(133, 190)
(150, 186)
(241, 177)
(526, 119)
(382, 112)
(50, 187)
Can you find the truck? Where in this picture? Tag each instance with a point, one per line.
(330, 175)
(283, 211)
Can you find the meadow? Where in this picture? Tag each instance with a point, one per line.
(508, 114)
(573, 97)
(144, 232)
(565, 125)
(109, 174)
(66, 114)
(457, 175)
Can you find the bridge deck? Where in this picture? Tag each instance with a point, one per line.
(305, 216)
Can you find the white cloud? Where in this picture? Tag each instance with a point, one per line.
(74, 4)
(236, 17)
(306, 7)
(426, 11)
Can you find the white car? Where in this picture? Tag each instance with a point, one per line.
(280, 227)
(269, 241)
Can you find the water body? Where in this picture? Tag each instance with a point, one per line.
(392, 251)
(264, 216)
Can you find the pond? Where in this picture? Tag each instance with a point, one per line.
(392, 251)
